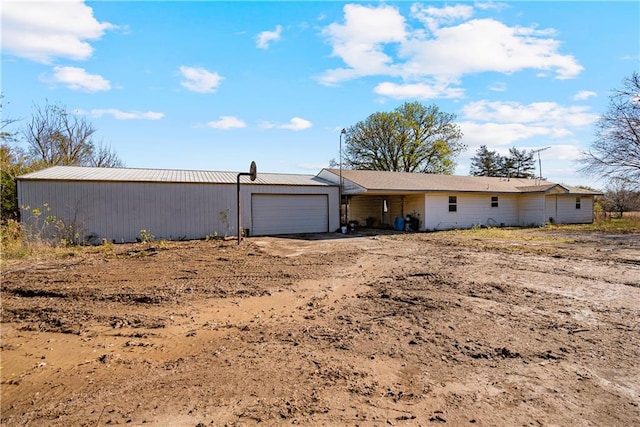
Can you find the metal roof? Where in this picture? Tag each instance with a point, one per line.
(381, 181)
(77, 173)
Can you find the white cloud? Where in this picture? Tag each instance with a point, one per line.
(458, 50)
(543, 113)
(434, 17)
(566, 152)
(78, 79)
(43, 31)
(197, 79)
(126, 115)
(498, 87)
(296, 123)
(497, 135)
(418, 91)
(226, 123)
(583, 95)
(360, 41)
(446, 44)
(266, 125)
(264, 38)
(500, 125)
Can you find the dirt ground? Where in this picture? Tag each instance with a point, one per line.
(536, 327)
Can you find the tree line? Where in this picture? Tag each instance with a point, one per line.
(517, 164)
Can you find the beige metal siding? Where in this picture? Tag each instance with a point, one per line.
(118, 211)
(289, 213)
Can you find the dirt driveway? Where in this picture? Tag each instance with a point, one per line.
(531, 327)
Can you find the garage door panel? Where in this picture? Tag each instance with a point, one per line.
(289, 213)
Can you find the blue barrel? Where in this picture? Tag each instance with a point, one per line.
(398, 225)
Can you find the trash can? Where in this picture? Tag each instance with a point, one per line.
(398, 225)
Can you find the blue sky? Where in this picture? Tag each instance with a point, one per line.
(214, 85)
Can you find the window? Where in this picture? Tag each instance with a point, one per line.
(494, 201)
(453, 203)
(577, 202)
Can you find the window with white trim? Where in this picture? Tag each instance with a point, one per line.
(494, 201)
(578, 200)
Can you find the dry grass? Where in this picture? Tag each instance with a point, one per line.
(14, 246)
(629, 223)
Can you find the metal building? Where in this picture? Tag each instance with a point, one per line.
(118, 203)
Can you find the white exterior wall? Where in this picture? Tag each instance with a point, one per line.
(562, 208)
(532, 210)
(471, 210)
(119, 210)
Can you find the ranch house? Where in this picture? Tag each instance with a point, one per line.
(440, 202)
(118, 203)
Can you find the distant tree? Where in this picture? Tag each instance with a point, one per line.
(6, 135)
(13, 163)
(615, 153)
(620, 197)
(412, 138)
(485, 162)
(55, 136)
(518, 164)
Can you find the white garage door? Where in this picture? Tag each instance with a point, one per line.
(289, 213)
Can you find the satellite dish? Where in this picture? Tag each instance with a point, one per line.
(253, 171)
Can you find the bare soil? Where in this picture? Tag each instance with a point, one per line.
(541, 328)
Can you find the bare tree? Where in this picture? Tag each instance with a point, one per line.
(619, 197)
(615, 153)
(104, 157)
(55, 136)
(6, 136)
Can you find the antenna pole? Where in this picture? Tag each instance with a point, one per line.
(539, 160)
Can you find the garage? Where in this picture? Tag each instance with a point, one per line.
(117, 204)
(289, 213)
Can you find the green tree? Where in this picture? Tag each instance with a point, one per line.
(13, 163)
(412, 138)
(518, 164)
(485, 162)
(615, 153)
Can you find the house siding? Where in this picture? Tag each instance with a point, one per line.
(117, 211)
(561, 208)
(471, 210)
(531, 210)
